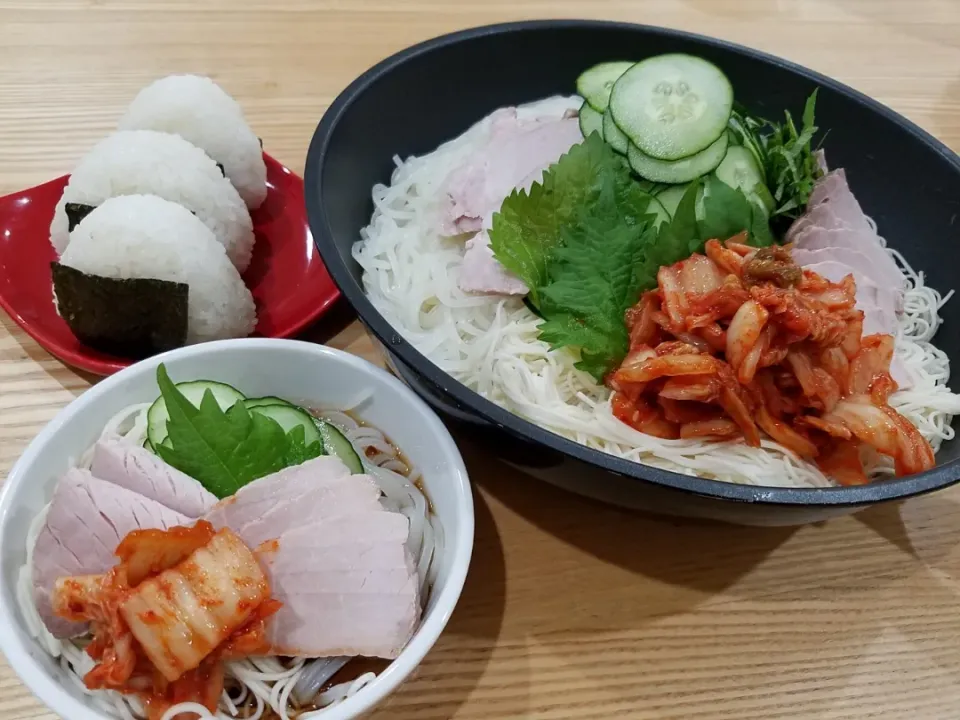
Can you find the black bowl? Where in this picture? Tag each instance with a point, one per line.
(418, 98)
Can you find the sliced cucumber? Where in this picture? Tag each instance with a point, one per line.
(670, 198)
(336, 443)
(651, 187)
(678, 171)
(590, 121)
(288, 417)
(614, 135)
(193, 391)
(762, 195)
(268, 400)
(657, 209)
(672, 106)
(594, 85)
(739, 170)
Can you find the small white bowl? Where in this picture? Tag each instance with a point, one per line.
(298, 371)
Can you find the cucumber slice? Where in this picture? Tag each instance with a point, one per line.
(590, 121)
(739, 170)
(651, 187)
(193, 391)
(672, 106)
(594, 85)
(656, 208)
(614, 135)
(268, 400)
(336, 443)
(288, 417)
(670, 198)
(762, 195)
(678, 171)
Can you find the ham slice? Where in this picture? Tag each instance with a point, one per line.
(820, 217)
(335, 558)
(86, 521)
(514, 157)
(834, 238)
(297, 496)
(870, 265)
(135, 468)
(877, 303)
(348, 587)
(834, 219)
(256, 500)
(875, 260)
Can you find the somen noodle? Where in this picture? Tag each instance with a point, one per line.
(491, 344)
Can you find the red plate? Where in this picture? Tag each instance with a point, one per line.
(289, 282)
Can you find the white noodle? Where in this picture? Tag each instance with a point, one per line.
(491, 344)
(262, 682)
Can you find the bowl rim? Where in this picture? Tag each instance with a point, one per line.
(21, 651)
(520, 428)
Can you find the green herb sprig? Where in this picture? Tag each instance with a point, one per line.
(785, 155)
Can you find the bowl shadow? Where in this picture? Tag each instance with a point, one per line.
(667, 549)
(716, 601)
(455, 666)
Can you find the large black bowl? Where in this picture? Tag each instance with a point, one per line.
(415, 100)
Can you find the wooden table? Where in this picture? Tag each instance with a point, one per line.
(571, 610)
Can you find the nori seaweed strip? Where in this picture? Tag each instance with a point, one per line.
(261, 142)
(135, 317)
(75, 213)
(222, 170)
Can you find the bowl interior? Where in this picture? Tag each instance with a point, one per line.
(906, 180)
(287, 278)
(300, 372)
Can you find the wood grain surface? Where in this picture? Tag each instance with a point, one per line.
(571, 610)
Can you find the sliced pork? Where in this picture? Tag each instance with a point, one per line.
(336, 560)
(87, 519)
(834, 219)
(515, 155)
(834, 238)
(348, 587)
(878, 303)
(253, 502)
(820, 217)
(298, 496)
(481, 272)
(135, 468)
(871, 265)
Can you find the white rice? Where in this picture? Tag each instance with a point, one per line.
(155, 163)
(491, 344)
(144, 236)
(201, 112)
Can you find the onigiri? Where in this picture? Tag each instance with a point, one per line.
(200, 111)
(147, 237)
(155, 163)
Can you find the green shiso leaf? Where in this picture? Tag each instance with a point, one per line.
(224, 451)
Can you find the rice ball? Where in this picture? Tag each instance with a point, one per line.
(147, 162)
(200, 111)
(144, 236)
